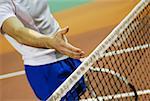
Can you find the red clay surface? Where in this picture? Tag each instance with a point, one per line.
(89, 25)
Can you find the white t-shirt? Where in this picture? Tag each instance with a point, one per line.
(34, 14)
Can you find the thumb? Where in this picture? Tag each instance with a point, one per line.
(64, 31)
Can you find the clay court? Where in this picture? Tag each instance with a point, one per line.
(90, 22)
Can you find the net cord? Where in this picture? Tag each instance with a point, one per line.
(102, 47)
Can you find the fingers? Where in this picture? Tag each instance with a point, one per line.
(72, 54)
(72, 51)
(63, 31)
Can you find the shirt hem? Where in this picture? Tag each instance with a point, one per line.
(43, 62)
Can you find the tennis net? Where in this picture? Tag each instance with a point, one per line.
(119, 68)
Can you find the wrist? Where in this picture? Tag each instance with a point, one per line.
(46, 41)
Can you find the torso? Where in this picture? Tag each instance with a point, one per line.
(35, 14)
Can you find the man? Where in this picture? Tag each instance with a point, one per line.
(31, 29)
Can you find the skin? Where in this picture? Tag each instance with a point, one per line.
(14, 27)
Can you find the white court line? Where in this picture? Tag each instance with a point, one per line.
(9, 75)
(117, 52)
(116, 96)
(5, 76)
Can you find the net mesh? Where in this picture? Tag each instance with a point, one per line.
(119, 68)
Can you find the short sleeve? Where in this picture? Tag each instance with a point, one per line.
(6, 11)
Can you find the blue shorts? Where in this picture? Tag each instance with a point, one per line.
(45, 79)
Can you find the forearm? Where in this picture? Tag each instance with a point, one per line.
(20, 33)
(32, 38)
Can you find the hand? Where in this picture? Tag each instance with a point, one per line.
(58, 41)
